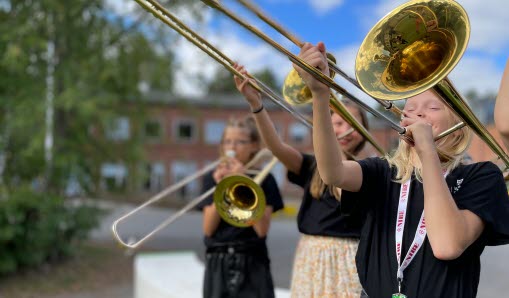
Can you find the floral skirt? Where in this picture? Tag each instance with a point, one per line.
(324, 267)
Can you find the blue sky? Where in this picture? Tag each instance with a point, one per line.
(342, 25)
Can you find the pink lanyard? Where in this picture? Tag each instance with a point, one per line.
(420, 234)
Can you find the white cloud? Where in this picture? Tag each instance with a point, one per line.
(121, 7)
(480, 74)
(472, 72)
(236, 43)
(5, 5)
(321, 7)
(488, 19)
(194, 63)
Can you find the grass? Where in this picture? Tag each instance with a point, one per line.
(93, 267)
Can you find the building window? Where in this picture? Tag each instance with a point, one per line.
(153, 130)
(154, 177)
(185, 131)
(213, 131)
(298, 133)
(180, 170)
(113, 177)
(118, 129)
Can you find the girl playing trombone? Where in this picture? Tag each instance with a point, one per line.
(427, 216)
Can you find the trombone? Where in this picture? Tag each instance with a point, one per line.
(261, 155)
(322, 77)
(412, 50)
(292, 76)
(240, 200)
(169, 19)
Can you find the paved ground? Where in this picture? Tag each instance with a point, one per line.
(185, 234)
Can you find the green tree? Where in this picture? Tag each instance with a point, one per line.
(100, 59)
(223, 81)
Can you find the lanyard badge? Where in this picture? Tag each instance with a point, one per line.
(420, 235)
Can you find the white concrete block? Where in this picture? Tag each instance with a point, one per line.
(172, 275)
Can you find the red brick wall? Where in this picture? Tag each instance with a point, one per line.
(167, 149)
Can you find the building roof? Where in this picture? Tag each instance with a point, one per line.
(223, 101)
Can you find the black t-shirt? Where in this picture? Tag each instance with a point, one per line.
(226, 233)
(321, 216)
(477, 187)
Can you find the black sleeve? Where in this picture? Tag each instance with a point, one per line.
(374, 179)
(483, 191)
(207, 183)
(272, 194)
(306, 171)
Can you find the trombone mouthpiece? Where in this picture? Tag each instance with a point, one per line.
(230, 153)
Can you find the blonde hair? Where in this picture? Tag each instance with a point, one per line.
(318, 187)
(450, 149)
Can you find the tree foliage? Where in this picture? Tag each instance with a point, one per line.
(100, 61)
(223, 81)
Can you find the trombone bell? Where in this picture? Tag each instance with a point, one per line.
(295, 91)
(239, 200)
(412, 48)
(416, 64)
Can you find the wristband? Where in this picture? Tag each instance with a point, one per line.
(258, 110)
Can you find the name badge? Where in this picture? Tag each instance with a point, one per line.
(398, 295)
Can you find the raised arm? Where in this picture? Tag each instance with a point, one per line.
(289, 156)
(329, 158)
(502, 107)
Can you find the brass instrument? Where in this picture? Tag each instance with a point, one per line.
(173, 22)
(168, 18)
(413, 49)
(260, 156)
(240, 200)
(297, 85)
(293, 78)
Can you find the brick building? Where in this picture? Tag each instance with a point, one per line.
(182, 135)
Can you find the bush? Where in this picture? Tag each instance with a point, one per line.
(36, 228)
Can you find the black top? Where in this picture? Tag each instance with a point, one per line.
(226, 233)
(477, 187)
(321, 216)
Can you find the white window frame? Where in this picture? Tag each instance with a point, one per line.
(119, 129)
(156, 175)
(179, 169)
(117, 171)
